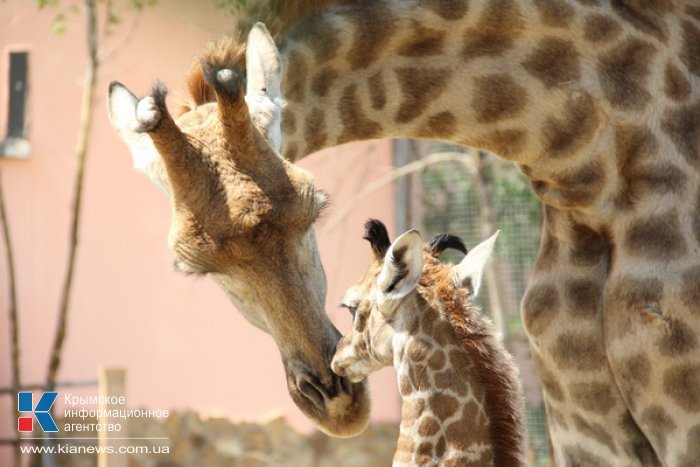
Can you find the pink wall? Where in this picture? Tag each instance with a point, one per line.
(183, 344)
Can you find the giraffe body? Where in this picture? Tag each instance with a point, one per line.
(461, 402)
(598, 102)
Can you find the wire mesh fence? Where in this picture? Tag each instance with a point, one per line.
(472, 196)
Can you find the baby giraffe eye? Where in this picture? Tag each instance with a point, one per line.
(351, 308)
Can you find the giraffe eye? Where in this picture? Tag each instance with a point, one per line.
(351, 308)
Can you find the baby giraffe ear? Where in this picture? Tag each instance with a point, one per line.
(263, 96)
(470, 271)
(403, 264)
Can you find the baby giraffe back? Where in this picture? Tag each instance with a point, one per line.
(461, 402)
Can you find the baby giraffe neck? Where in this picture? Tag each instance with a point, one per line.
(443, 416)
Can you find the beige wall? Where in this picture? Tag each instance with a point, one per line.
(183, 344)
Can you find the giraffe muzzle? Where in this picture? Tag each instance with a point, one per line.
(319, 394)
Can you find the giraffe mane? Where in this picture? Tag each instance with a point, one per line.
(229, 51)
(496, 370)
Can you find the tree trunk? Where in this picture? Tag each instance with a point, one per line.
(84, 131)
(14, 322)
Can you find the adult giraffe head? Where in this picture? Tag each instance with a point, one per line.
(244, 216)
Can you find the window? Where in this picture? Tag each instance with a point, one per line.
(15, 143)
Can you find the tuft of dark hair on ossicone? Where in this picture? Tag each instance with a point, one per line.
(377, 236)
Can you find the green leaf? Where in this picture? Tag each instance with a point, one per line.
(59, 24)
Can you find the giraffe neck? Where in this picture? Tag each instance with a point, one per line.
(555, 86)
(445, 414)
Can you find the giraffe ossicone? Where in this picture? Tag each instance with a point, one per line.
(461, 398)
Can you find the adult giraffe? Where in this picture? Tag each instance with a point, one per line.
(598, 101)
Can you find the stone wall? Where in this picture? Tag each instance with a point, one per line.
(216, 442)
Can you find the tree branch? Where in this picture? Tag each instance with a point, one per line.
(380, 183)
(81, 150)
(14, 321)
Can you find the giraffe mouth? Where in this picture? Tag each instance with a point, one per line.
(339, 407)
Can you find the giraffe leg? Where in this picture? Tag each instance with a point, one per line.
(652, 329)
(588, 418)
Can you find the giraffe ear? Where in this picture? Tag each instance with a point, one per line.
(403, 264)
(471, 269)
(121, 106)
(263, 96)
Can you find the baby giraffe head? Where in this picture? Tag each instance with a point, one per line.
(244, 215)
(385, 300)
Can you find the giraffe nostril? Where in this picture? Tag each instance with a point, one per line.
(312, 389)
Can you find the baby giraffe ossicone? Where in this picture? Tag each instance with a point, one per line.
(461, 398)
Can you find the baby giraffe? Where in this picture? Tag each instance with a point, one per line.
(460, 389)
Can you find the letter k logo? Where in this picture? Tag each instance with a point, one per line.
(25, 403)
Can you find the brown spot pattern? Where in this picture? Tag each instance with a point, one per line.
(636, 442)
(656, 237)
(374, 27)
(417, 350)
(428, 426)
(576, 127)
(549, 381)
(582, 185)
(295, 78)
(696, 219)
(497, 97)
(578, 351)
(440, 447)
(583, 297)
(422, 42)
(323, 80)
(676, 85)
(593, 397)
(693, 11)
(679, 339)
(540, 306)
(690, 458)
(658, 425)
(356, 125)
(587, 247)
(623, 73)
(555, 13)
(447, 9)
(321, 36)
(443, 405)
(690, 53)
(437, 360)
(289, 122)
(419, 88)
(635, 371)
(507, 143)
(644, 15)
(683, 127)
(495, 32)
(377, 91)
(600, 28)
(548, 253)
(440, 125)
(690, 289)
(631, 292)
(594, 431)
(681, 384)
(315, 131)
(577, 456)
(554, 62)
